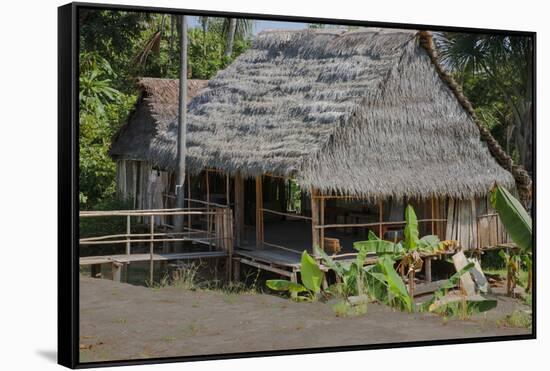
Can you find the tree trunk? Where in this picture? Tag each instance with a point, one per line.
(411, 283)
(230, 37)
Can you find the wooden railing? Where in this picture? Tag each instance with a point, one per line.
(219, 232)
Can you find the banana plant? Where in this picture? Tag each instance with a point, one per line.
(380, 281)
(409, 251)
(386, 285)
(311, 277)
(350, 274)
(518, 224)
(465, 306)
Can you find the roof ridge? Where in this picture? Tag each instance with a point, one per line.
(521, 176)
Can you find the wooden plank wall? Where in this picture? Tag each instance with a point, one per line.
(472, 223)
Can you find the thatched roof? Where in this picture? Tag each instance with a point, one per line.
(363, 113)
(157, 106)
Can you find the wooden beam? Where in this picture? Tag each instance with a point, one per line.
(314, 221)
(259, 213)
(239, 208)
(380, 219)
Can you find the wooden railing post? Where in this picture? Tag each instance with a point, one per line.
(314, 221)
(128, 231)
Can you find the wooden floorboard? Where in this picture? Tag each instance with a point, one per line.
(272, 255)
(91, 260)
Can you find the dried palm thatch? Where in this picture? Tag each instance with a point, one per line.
(363, 113)
(157, 105)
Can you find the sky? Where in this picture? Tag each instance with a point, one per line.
(259, 26)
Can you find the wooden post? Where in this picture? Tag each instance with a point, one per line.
(433, 216)
(428, 269)
(227, 201)
(228, 235)
(322, 223)
(116, 269)
(236, 270)
(259, 213)
(128, 231)
(189, 200)
(218, 231)
(314, 221)
(95, 270)
(208, 216)
(380, 219)
(294, 279)
(151, 247)
(239, 209)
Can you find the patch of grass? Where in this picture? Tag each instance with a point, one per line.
(502, 273)
(344, 309)
(191, 329)
(185, 278)
(516, 319)
(121, 321)
(169, 339)
(528, 299)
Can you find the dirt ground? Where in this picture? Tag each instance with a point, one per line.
(119, 321)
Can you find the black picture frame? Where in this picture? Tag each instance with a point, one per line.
(68, 203)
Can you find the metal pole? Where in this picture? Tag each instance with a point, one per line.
(182, 125)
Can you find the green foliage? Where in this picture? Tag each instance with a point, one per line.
(517, 319)
(115, 48)
(411, 229)
(345, 309)
(495, 72)
(100, 226)
(515, 218)
(386, 285)
(311, 275)
(351, 275)
(444, 288)
(518, 224)
(459, 308)
(206, 52)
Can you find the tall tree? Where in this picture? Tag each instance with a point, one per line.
(230, 37)
(233, 29)
(503, 66)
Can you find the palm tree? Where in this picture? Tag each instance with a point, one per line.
(235, 29)
(507, 63)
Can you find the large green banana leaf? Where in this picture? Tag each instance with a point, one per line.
(284, 285)
(312, 276)
(396, 287)
(411, 229)
(515, 218)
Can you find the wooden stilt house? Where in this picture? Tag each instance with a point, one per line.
(315, 137)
